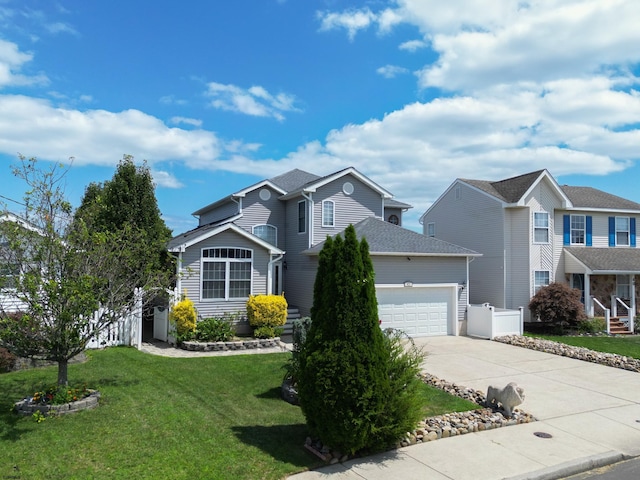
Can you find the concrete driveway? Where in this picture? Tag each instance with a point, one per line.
(592, 413)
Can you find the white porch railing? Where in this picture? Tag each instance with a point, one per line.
(607, 313)
(486, 321)
(629, 319)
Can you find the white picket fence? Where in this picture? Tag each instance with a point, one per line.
(126, 331)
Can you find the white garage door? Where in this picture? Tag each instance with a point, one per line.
(418, 311)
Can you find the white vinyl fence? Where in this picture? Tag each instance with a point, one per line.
(126, 331)
(486, 321)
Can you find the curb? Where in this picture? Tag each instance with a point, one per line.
(573, 467)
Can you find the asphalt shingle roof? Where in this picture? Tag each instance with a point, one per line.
(294, 179)
(509, 190)
(587, 197)
(391, 203)
(386, 238)
(608, 259)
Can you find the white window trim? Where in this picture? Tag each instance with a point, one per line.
(431, 229)
(227, 278)
(304, 230)
(584, 229)
(275, 229)
(547, 228)
(536, 286)
(333, 213)
(627, 231)
(623, 281)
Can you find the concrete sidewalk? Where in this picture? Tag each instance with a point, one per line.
(592, 413)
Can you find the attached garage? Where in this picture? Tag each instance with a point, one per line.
(419, 310)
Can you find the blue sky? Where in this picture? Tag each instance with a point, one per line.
(218, 95)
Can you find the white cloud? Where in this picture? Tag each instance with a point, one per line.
(390, 71)
(352, 21)
(11, 62)
(171, 100)
(35, 127)
(194, 122)
(413, 45)
(165, 179)
(61, 27)
(255, 101)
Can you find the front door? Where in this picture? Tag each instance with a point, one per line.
(577, 281)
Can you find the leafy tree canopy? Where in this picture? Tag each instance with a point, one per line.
(65, 285)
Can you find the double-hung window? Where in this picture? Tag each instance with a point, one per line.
(622, 231)
(302, 216)
(226, 273)
(328, 207)
(540, 279)
(578, 229)
(540, 227)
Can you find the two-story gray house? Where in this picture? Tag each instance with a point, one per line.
(266, 238)
(532, 231)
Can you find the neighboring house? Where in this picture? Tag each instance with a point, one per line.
(532, 231)
(265, 239)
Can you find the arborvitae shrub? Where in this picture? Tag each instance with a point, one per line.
(183, 315)
(558, 305)
(265, 313)
(357, 391)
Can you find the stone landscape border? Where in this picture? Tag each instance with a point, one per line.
(440, 426)
(27, 407)
(579, 353)
(249, 344)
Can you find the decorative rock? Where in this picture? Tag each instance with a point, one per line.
(579, 353)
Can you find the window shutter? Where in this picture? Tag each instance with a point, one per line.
(632, 233)
(589, 239)
(612, 231)
(566, 230)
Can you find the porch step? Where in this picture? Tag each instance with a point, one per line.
(292, 314)
(618, 327)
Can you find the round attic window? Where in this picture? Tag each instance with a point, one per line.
(265, 194)
(347, 188)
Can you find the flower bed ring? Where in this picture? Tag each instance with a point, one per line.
(28, 407)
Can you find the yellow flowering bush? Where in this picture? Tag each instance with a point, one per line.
(184, 316)
(266, 313)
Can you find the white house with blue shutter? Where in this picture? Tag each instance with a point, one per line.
(532, 231)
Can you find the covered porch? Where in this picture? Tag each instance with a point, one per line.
(609, 279)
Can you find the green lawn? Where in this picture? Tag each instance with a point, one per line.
(214, 417)
(628, 346)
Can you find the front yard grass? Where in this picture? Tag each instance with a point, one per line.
(213, 417)
(628, 346)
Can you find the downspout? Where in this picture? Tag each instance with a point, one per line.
(270, 273)
(238, 202)
(179, 273)
(310, 212)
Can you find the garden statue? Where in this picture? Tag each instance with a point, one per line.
(509, 396)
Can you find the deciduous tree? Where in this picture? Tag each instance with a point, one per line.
(68, 284)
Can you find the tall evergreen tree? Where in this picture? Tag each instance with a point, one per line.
(128, 201)
(346, 365)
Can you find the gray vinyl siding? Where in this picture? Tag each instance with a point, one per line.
(348, 209)
(191, 274)
(256, 211)
(223, 211)
(393, 211)
(517, 269)
(475, 221)
(300, 274)
(421, 270)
